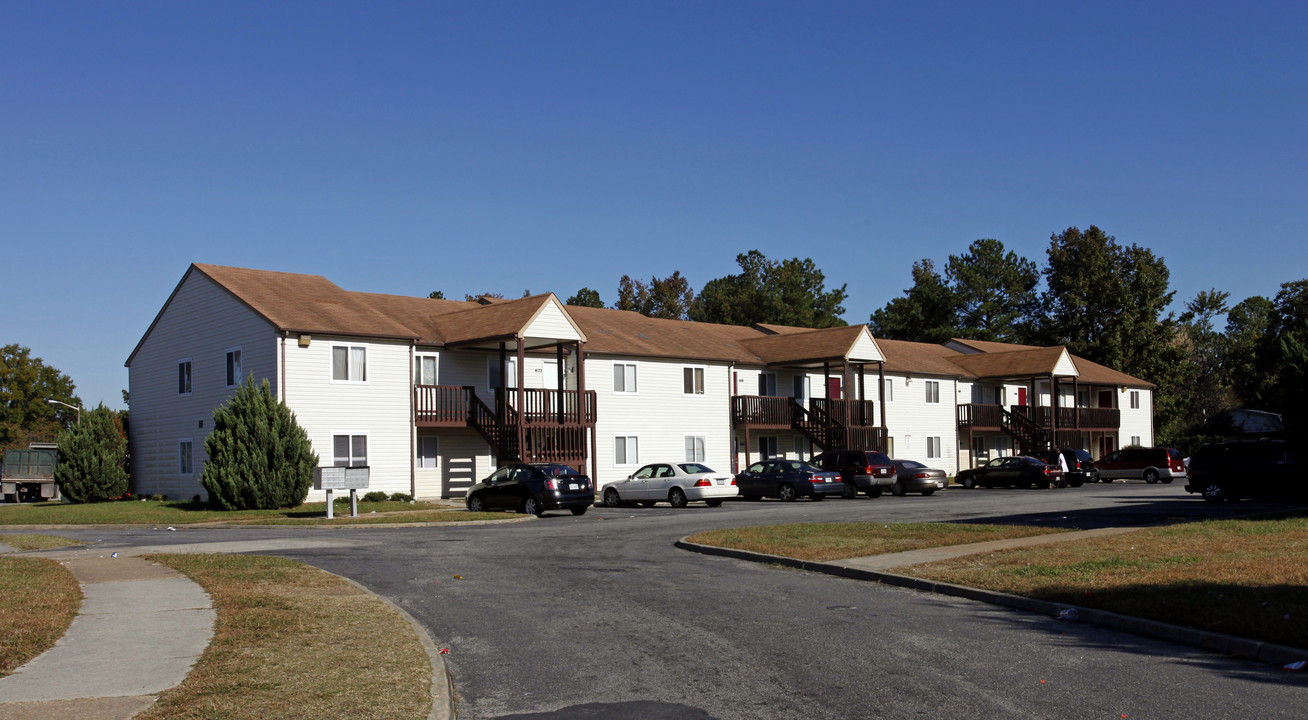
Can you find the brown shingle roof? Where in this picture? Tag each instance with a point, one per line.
(903, 356)
(807, 346)
(622, 332)
(1014, 363)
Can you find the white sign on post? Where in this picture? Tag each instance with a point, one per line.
(340, 478)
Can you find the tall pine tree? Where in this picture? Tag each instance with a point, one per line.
(92, 458)
(259, 456)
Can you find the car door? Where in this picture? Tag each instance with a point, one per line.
(753, 480)
(497, 484)
(637, 487)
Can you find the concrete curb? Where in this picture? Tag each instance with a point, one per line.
(237, 524)
(1202, 639)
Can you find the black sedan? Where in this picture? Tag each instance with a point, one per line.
(1012, 471)
(913, 476)
(533, 488)
(788, 479)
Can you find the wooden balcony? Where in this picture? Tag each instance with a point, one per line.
(759, 411)
(981, 417)
(456, 406)
(852, 413)
(991, 417)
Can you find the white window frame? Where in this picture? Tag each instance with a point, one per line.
(1134, 397)
(801, 388)
(428, 461)
(349, 367)
(934, 449)
(932, 391)
(185, 456)
(1001, 394)
(629, 383)
(234, 372)
(350, 459)
(767, 384)
(418, 375)
(185, 387)
(696, 446)
(1135, 439)
(694, 376)
(510, 372)
(890, 389)
(630, 450)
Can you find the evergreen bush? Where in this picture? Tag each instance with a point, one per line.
(92, 456)
(259, 456)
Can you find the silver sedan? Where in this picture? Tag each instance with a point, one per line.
(913, 476)
(673, 483)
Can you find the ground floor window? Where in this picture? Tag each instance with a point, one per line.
(767, 448)
(426, 451)
(184, 455)
(626, 450)
(933, 447)
(350, 450)
(801, 448)
(695, 448)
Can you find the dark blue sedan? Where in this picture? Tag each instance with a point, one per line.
(787, 480)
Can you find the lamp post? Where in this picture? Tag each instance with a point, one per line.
(75, 407)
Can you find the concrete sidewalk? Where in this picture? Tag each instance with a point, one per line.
(139, 631)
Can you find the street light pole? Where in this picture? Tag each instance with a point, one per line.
(75, 407)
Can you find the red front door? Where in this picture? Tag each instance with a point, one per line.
(1021, 396)
(833, 388)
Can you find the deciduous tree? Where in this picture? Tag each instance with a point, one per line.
(27, 385)
(790, 292)
(586, 297)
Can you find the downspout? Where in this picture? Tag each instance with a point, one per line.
(413, 433)
(958, 457)
(281, 382)
(731, 425)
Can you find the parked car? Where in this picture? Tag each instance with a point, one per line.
(913, 476)
(533, 488)
(788, 479)
(1080, 466)
(1011, 471)
(866, 471)
(1148, 464)
(1235, 469)
(673, 483)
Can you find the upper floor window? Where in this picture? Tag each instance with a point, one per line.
(932, 391)
(233, 367)
(767, 384)
(692, 381)
(1135, 399)
(510, 372)
(890, 389)
(624, 377)
(184, 377)
(349, 363)
(424, 370)
(799, 388)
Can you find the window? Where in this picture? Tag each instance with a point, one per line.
(767, 447)
(799, 388)
(890, 446)
(932, 391)
(424, 370)
(510, 372)
(184, 457)
(624, 377)
(184, 377)
(978, 450)
(695, 448)
(1135, 399)
(349, 363)
(1135, 439)
(801, 448)
(626, 450)
(350, 450)
(933, 447)
(890, 389)
(692, 381)
(767, 384)
(233, 367)
(427, 451)
(1001, 395)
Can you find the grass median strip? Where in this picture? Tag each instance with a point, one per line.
(294, 641)
(171, 512)
(823, 542)
(38, 601)
(1247, 577)
(23, 541)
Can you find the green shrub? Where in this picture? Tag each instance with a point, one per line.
(92, 457)
(259, 456)
(375, 496)
(401, 497)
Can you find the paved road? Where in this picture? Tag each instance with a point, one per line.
(601, 617)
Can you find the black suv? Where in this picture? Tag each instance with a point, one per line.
(865, 471)
(1234, 469)
(1080, 466)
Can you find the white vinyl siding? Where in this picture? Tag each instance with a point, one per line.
(349, 363)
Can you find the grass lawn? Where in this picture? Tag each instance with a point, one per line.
(23, 541)
(38, 600)
(1247, 578)
(293, 641)
(821, 542)
(171, 512)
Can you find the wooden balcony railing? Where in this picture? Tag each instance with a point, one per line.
(1085, 418)
(853, 413)
(978, 415)
(459, 406)
(762, 411)
(551, 407)
(441, 405)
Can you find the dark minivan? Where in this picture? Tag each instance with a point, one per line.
(533, 488)
(1235, 469)
(866, 471)
(1141, 463)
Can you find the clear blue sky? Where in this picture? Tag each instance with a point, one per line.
(503, 146)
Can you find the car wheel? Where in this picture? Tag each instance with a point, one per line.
(849, 491)
(677, 498)
(1075, 483)
(786, 493)
(612, 499)
(532, 506)
(1167, 480)
(476, 504)
(578, 511)
(969, 482)
(1150, 476)
(1214, 493)
(713, 503)
(897, 489)
(873, 492)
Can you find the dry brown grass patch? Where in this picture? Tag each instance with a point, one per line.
(24, 541)
(822, 542)
(292, 641)
(38, 600)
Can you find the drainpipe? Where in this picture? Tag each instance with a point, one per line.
(413, 433)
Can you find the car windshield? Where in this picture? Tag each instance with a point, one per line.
(911, 464)
(694, 468)
(876, 458)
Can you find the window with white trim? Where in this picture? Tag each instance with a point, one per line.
(1135, 439)
(767, 384)
(692, 382)
(626, 450)
(800, 388)
(890, 389)
(624, 377)
(510, 372)
(233, 366)
(801, 448)
(427, 451)
(349, 363)
(184, 376)
(424, 369)
(185, 455)
(932, 391)
(349, 450)
(933, 447)
(1001, 395)
(695, 448)
(767, 447)
(1135, 399)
